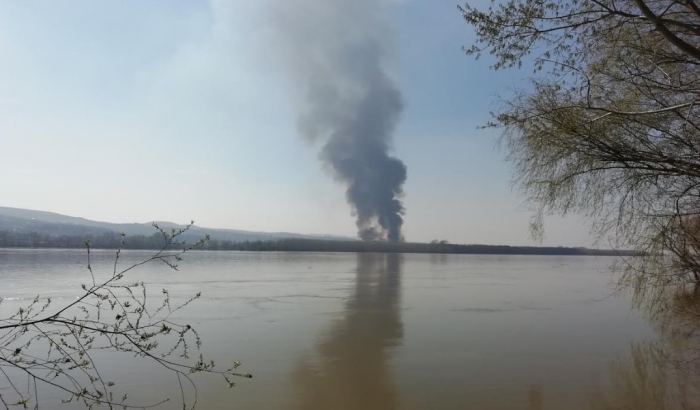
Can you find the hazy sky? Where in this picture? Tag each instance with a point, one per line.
(132, 111)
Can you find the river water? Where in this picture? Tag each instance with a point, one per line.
(372, 331)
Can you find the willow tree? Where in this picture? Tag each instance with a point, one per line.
(608, 127)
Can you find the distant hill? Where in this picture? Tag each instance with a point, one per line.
(25, 221)
(25, 228)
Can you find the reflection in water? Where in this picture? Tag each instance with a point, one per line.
(649, 381)
(640, 383)
(534, 397)
(351, 369)
(661, 375)
(438, 258)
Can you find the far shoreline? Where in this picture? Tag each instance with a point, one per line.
(331, 246)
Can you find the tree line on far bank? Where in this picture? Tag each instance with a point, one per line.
(111, 240)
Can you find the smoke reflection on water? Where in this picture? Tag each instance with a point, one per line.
(350, 368)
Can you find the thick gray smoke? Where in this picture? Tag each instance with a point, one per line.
(338, 52)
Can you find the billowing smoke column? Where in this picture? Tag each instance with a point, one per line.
(338, 52)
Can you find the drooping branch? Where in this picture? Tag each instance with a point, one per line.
(609, 131)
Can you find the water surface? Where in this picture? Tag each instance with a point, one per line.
(373, 331)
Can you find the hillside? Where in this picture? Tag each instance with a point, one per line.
(25, 221)
(25, 228)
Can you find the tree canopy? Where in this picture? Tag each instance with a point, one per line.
(608, 125)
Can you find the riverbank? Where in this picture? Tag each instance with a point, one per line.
(113, 241)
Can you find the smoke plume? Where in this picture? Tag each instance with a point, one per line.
(338, 52)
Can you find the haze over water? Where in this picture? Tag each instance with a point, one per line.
(373, 331)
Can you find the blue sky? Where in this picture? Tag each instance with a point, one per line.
(132, 111)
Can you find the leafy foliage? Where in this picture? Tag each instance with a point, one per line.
(609, 125)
